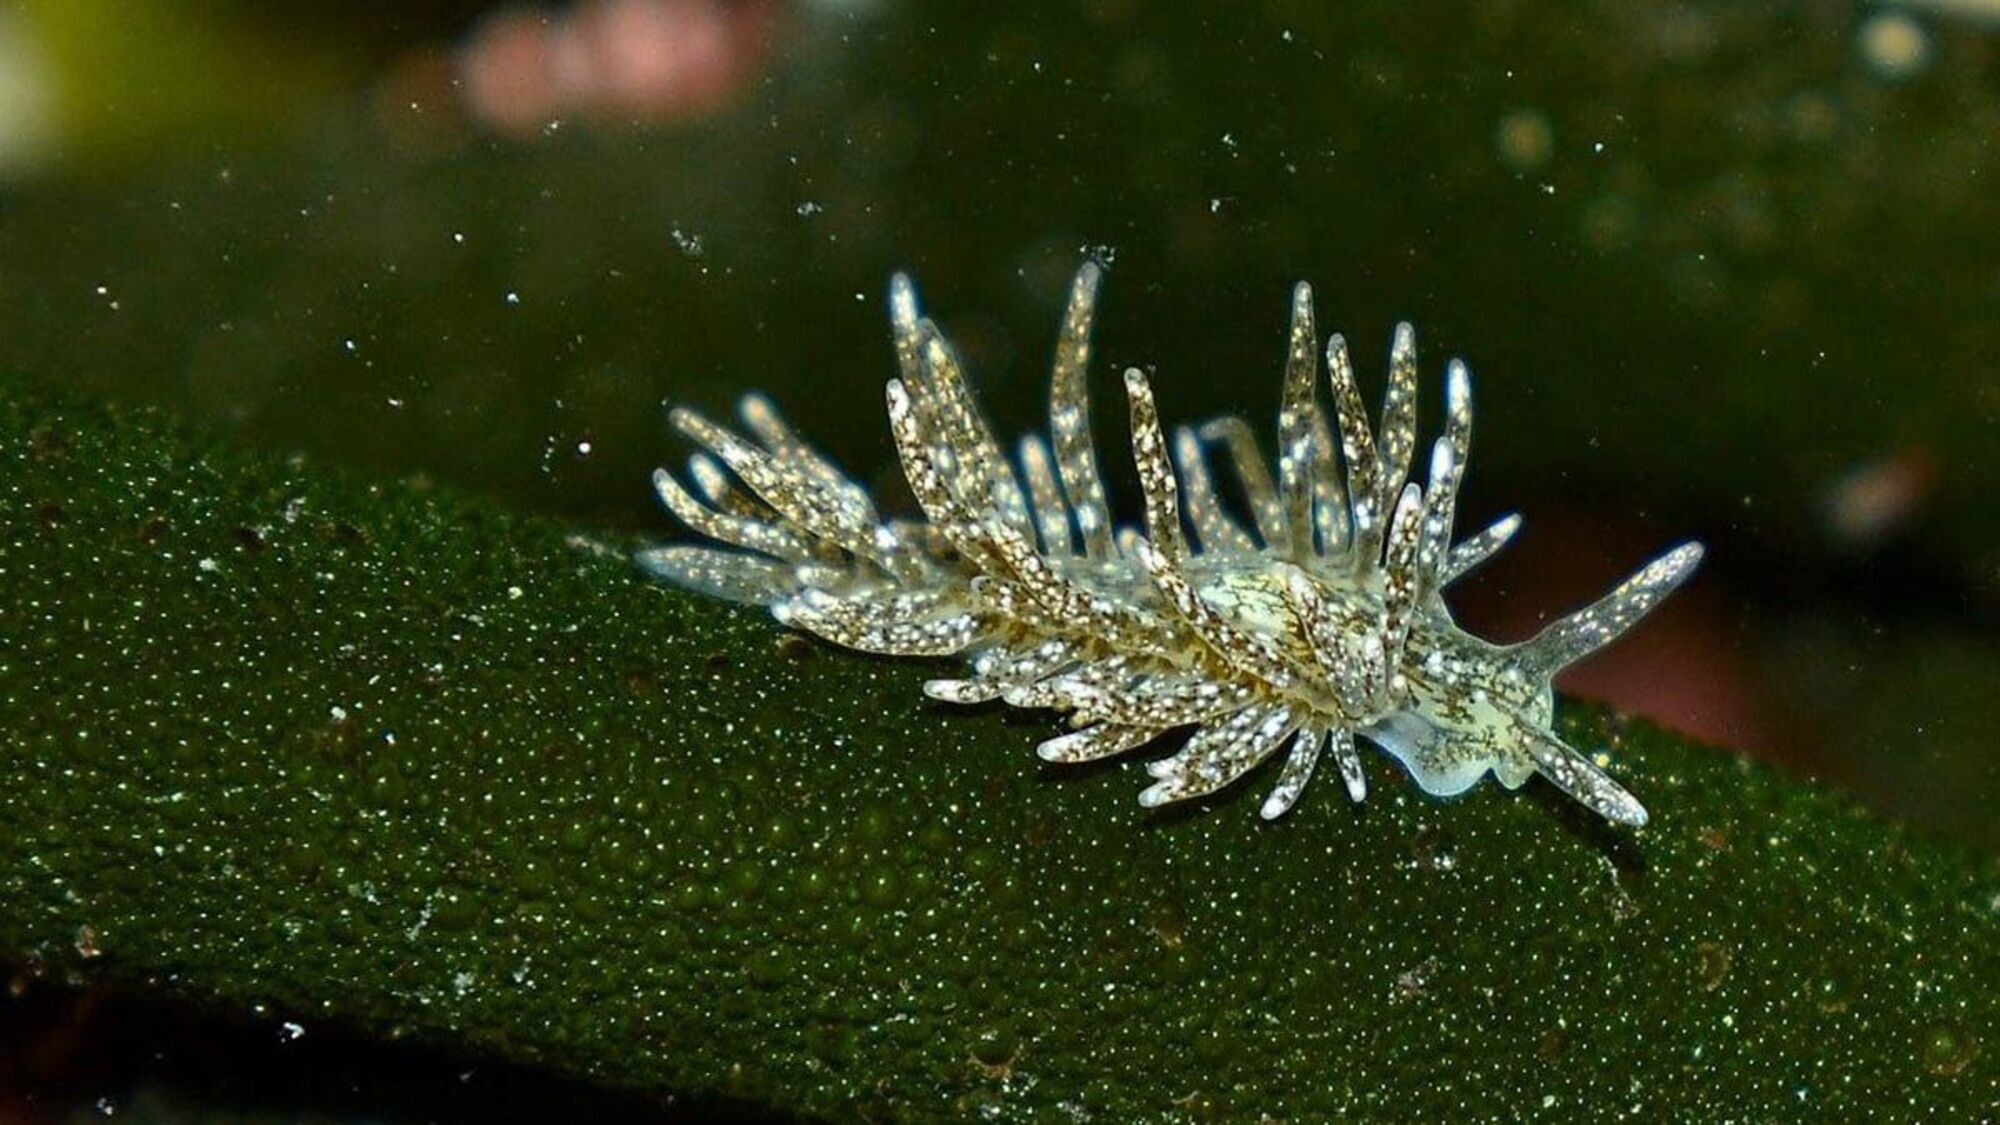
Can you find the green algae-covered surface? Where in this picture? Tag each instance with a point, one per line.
(288, 741)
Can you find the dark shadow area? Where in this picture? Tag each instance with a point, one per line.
(102, 1053)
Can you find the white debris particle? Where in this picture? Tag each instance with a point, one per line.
(689, 242)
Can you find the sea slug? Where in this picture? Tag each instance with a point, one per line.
(1319, 618)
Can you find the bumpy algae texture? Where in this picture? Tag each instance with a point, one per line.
(367, 753)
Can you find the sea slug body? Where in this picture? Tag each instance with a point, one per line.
(1318, 619)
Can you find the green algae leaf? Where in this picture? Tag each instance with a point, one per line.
(286, 741)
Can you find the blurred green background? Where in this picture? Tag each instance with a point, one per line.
(1721, 271)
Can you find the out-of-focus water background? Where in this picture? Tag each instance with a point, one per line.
(1721, 271)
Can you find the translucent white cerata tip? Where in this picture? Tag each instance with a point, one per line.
(1315, 615)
